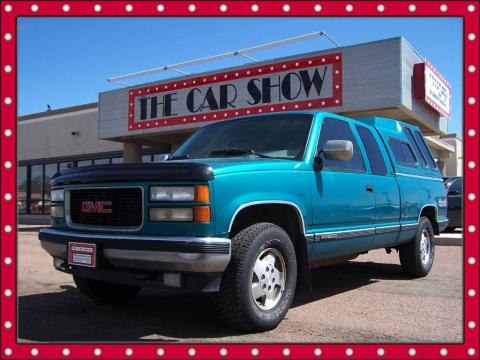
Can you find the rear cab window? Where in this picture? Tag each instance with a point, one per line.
(403, 152)
(425, 150)
(413, 142)
(374, 154)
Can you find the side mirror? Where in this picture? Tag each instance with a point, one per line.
(338, 149)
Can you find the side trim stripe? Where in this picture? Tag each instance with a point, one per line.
(418, 176)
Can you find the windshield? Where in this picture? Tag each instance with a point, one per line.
(277, 136)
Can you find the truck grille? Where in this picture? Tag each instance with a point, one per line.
(107, 207)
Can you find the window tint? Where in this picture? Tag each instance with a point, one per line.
(403, 152)
(413, 143)
(374, 154)
(333, 129)
(425, 150)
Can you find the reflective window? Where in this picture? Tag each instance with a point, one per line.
(22, 189)
(117, 160)
(334, 129)
(101, 161)
(403, 152)
(84, 162)
(50, 170)
(147, 158)
(413, 143)
(159, 157)
(36, 189)
(426, 152)
(65, 165)
(374, 154)
(455, 187)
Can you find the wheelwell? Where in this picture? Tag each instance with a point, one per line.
(431, 213)
(287, 217)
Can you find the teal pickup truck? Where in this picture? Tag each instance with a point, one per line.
(245, 208)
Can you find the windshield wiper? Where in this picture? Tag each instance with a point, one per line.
(179, 157)
(237, 151)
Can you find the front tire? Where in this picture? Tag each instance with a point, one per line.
(416, 256)
(104, 292)
(259, 283)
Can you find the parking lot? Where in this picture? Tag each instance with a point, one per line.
(365, 300)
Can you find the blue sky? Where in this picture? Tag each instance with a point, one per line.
(65, 62)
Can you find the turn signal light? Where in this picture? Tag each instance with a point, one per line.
(202, 214)
(202, 194)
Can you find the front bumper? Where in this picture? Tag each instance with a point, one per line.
(163, 253)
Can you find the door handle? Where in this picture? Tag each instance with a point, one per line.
(369, 188)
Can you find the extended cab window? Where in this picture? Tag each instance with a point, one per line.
(333, 129)
(374, 154)
(416, 147)
(425, 151)
(403, 152)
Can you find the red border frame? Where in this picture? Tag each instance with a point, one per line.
(267, 68)
(468, 10)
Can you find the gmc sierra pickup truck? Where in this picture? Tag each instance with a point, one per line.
(245, 208)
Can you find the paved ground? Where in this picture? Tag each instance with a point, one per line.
(365, 300)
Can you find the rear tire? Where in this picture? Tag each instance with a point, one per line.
(416, 256)
(258, 285)
(104, 292)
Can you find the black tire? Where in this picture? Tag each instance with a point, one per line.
(104, 292)
(413, 261)
(235, 303)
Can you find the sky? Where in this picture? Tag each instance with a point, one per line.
(66, 61)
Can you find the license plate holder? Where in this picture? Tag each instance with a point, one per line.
(82, 254)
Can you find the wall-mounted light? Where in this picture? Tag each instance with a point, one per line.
(75, 133)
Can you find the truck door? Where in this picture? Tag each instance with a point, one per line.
(342, 199)
(385, 189)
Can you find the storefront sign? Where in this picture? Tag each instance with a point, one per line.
(297, 84)
(432, 87)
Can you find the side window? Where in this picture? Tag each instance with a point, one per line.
(403, 152)
(374, 154)
(334, 129)
(415, 145)
(456, 187)
(425, 150)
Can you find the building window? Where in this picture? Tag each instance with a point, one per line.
(159, 157)
(84, 162)
(65, 165)
(50, 170)
(22, 189)
(36, 189)
(147, 158)
(118, 160)
(101, 161)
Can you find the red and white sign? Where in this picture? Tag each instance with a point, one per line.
(82, 254)
(297, 84)
(431, 87)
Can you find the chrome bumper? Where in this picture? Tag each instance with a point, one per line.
(164, 253)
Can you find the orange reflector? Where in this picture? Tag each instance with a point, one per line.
(202, 193)
(201, 214)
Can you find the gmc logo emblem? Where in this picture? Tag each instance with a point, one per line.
(99, 207)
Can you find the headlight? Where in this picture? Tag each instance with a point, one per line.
(57, 211)
(57, 195)
(172, 193)
(171, 214)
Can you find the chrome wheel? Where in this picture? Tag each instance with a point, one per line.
(268, 279)
(425, 247)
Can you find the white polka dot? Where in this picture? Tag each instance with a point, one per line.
(223, 8)
(380, 352)
(380, 8)
(443, 7)
(8, 228)
(160, 8)
(349, 352)
(317, 352)
(128, 352)
(192, 8)
(7, 100)
(7, 292)
(471, 292)
(317, 8)
(471, 100)
(8, 324)
(7, 36)
(286, 352)
(471, 164)
(443, 352)
(7, 68)
(349, 7)
(412, 7)
(8, 8)
(412, 352)
(34, 7)
(97, 352)
(255, 352)
(471, 68)
(128, 8)
(66, 8)
(7, 197)
(7, 351)
(471, 228)
(7, 132)
(471, 8)
(471, 324)
(97, 8)
(192, 352)
(471, 132)
(471, 260)
(7, 164)
(8, 260)
(223, 352)
(34, 352)
(471, 351)
(286, 8)
(66, 351)
(471, 197)
(160, 352)
(255, 7)
(471, 36)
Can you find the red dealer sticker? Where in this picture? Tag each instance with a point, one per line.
(294, 84)
(82, 254)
